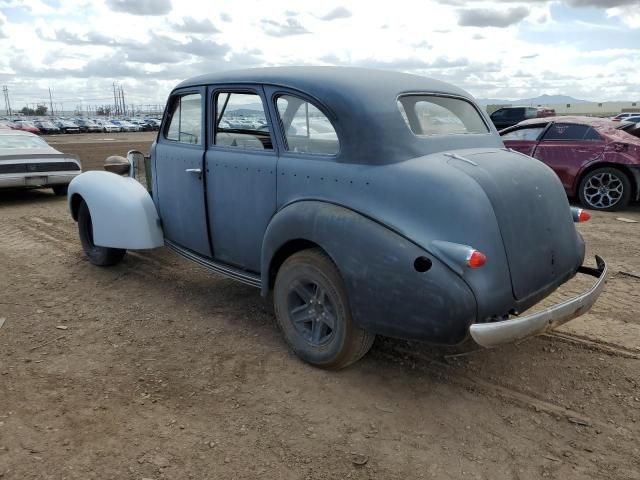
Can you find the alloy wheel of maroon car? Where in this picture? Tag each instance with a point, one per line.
(605, 189)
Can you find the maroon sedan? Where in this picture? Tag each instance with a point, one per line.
(596, 160)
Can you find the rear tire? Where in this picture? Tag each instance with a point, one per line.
(312, 309)
(606, 189)
(101, 256)
(60, 190)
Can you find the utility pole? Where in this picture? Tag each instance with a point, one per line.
(7, 103)
(115, 99)
(50, 102)
(124, 105)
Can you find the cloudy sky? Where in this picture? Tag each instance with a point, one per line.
(589, 49)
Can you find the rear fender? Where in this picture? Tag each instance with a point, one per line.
(122, 211)
(387, 294)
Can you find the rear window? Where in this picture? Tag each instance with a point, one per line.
(569, 131)
(427, 115)
(22, 141)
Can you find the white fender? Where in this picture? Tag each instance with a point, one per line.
(123, 214)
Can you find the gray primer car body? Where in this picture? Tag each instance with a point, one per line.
(387, 198)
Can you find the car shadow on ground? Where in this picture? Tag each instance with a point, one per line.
(23, 197)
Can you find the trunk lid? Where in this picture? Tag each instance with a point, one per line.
(533, 214)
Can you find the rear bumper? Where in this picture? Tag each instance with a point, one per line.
(42, 179)
(508, 331)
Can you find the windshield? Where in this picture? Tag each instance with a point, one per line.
(427, 115)
(22, 141)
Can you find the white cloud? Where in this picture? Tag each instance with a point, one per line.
(81, 47)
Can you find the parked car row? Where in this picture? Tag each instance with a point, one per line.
(50, 126)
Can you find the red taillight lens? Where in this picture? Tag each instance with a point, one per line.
(583, 216)
(476, 259)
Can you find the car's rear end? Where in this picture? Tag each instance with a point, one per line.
(461, 197)
(26, 161)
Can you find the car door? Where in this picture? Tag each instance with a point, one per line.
(179, 180)
(567, 147)
(523, 140)
(240, 174)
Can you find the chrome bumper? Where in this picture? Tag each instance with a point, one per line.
(508, 331)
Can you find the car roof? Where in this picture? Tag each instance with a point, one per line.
(322, 81)
(595, 122)
(363, 104)
(604, 126)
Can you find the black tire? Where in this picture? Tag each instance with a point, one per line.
(101, 256)
(606, 189)
(309, 286)
(60, 190)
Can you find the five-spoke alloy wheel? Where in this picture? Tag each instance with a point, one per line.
(312, 309)
(606, 189)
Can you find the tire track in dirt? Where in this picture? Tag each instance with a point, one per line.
(397, 352)
(605, 347)
(39, 234)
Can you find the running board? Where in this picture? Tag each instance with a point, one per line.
(221, 268)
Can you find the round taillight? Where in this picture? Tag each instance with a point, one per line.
(583, 216)
(476, 259)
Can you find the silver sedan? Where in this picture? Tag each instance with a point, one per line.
(27, 161)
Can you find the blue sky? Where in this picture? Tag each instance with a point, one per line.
(589, 49)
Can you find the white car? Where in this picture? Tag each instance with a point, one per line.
(621, 117)
(108, 127)
(27, 161)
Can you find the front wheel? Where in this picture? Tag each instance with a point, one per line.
(312, 309)
(607, 189)
(101, 256)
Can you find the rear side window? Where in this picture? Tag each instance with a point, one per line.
(433, 115)
(592, 134)
(241, 121)
(566, 131)
(185, 121)
(528, 134)
(306, 128)
(531, 113)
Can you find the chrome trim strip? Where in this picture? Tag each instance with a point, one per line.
(508, 331)
(227, 271)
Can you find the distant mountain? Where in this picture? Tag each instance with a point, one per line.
(540, 100)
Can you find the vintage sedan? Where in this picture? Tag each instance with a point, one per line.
(27, 161)
(596, 159)
(363, 202)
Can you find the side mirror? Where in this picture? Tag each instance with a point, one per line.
(118, 165)
(125, 166)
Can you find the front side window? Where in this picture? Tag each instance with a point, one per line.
(428, 115)
(241, 121)
(566, 132)
(526, 134)
(306, 128)
(186, 120)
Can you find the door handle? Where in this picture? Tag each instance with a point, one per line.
(194, 170)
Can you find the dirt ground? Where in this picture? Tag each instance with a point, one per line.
(157, 369)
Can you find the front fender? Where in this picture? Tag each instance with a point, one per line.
(387, 295)
(123, 214)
